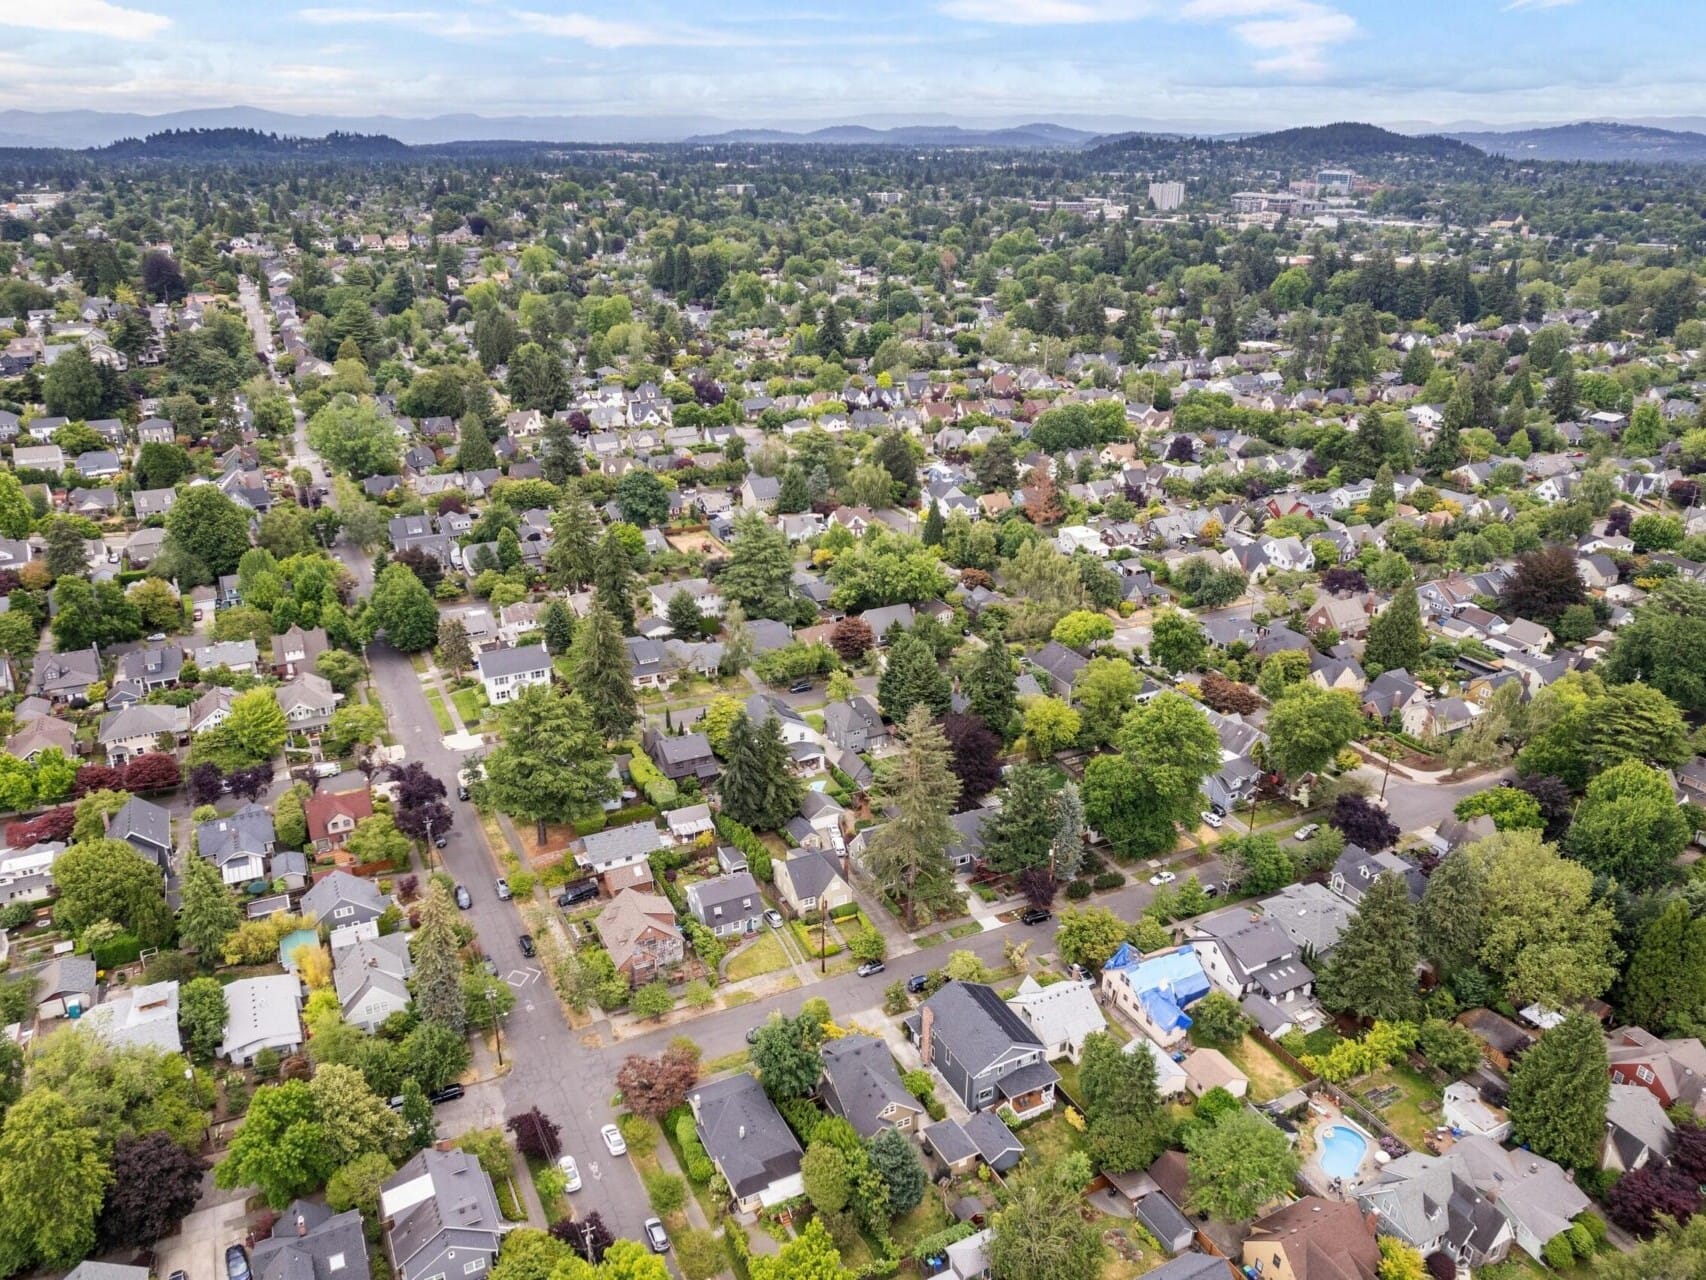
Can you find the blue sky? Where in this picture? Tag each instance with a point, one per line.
(1203, 63)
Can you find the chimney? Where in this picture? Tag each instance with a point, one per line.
(301, 1225)
(926, 1023)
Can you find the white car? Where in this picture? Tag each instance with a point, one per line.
(1307, 832)
(1212, 818)
(1162, 877)
(571, 1173)
(613, 1140)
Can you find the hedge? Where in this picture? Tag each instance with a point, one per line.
(696, 1162)
(649, 778)
(934, 1244)
(1078, 889)
(121, 949)
(742, 838)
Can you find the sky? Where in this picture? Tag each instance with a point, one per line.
(1234, 64)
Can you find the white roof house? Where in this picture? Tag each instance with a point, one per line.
(262, 1013)
(142, 1017)
(1061, 1015)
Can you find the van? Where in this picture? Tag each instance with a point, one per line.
(579, 891)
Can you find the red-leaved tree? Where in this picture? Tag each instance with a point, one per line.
(653, 1087)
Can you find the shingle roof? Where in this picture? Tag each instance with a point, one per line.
(972, 1017)
(745, 1134)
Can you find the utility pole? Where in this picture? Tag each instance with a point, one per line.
(497, 1022)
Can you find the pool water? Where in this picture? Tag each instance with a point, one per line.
(1342, 1150)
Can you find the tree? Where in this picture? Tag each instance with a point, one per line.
(907, 856)
(1082, 628)
(1050, 726)
(280, 1147)
(1451, 923)
(354, 436)
(1363, 823)
(1664, 986)
(202, 1013)
(208, 531)
(358, 1185)
(53, 1179)
(1039, 1231)
(911, 679)
(758, 788)
(1238, 1164)
(255, 726)
(1309, 726)
(536, 1136)
(1105, 690)
(613, 580)
(551, 765)
(1643, 1197)
(1089, 936)
(435, 1055)
(557, 625)
(1127, 1125)
(1663, 646)
(989, 686)
(209, 914)
(1629, 826)
(72, 386)
(1559, 1091)
(574, 542)
(1544, 584)
(1510, 809)
(976, 758)
(455, 650)
(653, 1087)
(1177, 642)
(786, 1056)
(1068, 838)
(896, 1162)
(642, 498)
(851, 639)
(601, 666)
(110, 880)
(404, 609)
(1372, 971)
(1395, 637)
(652, 1000)
(1264, 866)
(683, 615)
(1449, 1047)
(1217, 1019)
(437, 981)
(759, 574)
(155, 1184)
(1547, 937)
(811, 1255)
(827, 1175)
(355, 1120)
(1138, 799)
(1398, 1261)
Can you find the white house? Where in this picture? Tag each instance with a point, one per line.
(371, 977)
(506, 672)
(1061, 1015)
(262, 1013)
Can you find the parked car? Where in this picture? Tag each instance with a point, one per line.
(614, 1142)
(773, 918)
(571, 1174)
(1162, 877)
(578, 892)
(236, 1262)
(462, 793)
(527, 947)
(1219, 809)
(449, 1093)
(1211, 890)
(504, 894)
(1212, 818)
(870, 968)
(800, 686)
(464, 899)
(1307, 831)
(917, 982)
(656, 1236)
(1034, 915)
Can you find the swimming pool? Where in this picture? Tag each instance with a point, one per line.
(1342, 1150)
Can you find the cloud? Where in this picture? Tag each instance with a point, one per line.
(91, 17)
(1040, 13)
(448, 26)
(1294, 35)
(601, 33)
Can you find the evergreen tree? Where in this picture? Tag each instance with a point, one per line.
(1664, 987)
(1559, 1091)
(1018, 835)
(1068, 838)
(1383, 499)
(683, 616)
(574, 544)
(1372, 972)
(557, 625)
(794, 496)
(613, 581)
(455, 650)
(437, 981)
(551, 765)
(1127, 1125)
(1452, 926)
(989, 685)
(1395, 638)
(404, 609)
(1561, 394)
(908, 855)
(831, 339)
(474, 450)
(912, 677)
(757, 787)
(602, 672)
(209, 914)
(933, 526)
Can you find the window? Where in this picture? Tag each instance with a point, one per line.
(1644, 1075)
(474, 1267)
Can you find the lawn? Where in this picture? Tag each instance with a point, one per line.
(1048, 1139)
(439, 713)
(763, 955)
(926, 1220)
(471, 705)
(1269, 1077)
(735, 1061)
(1414, 1111)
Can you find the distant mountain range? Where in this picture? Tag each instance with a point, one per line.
(1597, 140)
(1654, 140)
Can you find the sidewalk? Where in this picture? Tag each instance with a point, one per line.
(667, 1162)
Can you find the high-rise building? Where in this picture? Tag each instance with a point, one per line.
(1166, 195)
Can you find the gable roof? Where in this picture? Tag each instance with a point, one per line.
(861, 1081)
(979, 1025)
(745, 1134)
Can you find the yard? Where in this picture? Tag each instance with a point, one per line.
(764, 954)
(1412, 1110)
(926, 1220)
(471, 705)
(439, 713)
(1268, 1076)
(1048, 1139)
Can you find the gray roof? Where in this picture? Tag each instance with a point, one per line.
(341, 887)
(681, 749)
(860, 1081)
(92, 1270)
(514, 662)
(143, 820)
(745, 1134)
(972, 1017)
(735, 890)
(309, 1242)
(995, 1142)
(1190, 1266)
(950, 1141)
(458, 1208)
(618, 844)
(66, 975)
(811, 871)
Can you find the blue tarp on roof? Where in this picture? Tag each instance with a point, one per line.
(1165, 982)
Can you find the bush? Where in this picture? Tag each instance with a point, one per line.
(1558, 1252)
(699, 1254)
(666, 1191)
(1594, 1225)
(1078, 890)
(121, 949)
(1108, 880)
(698, 1164)
(638, 1132)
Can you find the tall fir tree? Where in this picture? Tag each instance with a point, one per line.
(1664, 986)
(758, 789)
(1372, 971)
(557, 625)
(990, 685)
(912, 678)
(908, 855)
(1068, 838)
(1019, 834)
(933, 526)
(474, 450)
(1559, 1091)
(1395, 638)
(602, 671)
(209, 914)
(437, 981)
(793, 496)
(613, 581)
(574, 543)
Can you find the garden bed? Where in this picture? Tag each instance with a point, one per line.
(1413, 1111)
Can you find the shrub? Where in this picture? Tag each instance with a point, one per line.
(698, 1164)
(666, 1191)
(1558, 1252)
(1078, 890)
(699, 1254)
(638, 1132)
(1108, 880)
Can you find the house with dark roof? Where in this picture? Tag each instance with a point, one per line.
(619, 856)
(339, 899)
(238, 845)
(146, 827)
(1060, 664)
(679, 756)
(810, 880)
(1246, 954)
(440, 1217)
(748, 1142)
(862, 1084)
(855, 724)
(310, 1242)
(727, 904)
(983, 1050)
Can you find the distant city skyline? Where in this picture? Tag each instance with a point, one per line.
(1197, 64)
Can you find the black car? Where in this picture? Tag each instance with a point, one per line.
(1035, 915)
(236, 1263)
(917, 982)
(527, 947)
(579, 891)
(449, 1093)
(800, 686)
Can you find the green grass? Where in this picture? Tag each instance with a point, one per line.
(471, 704)
(1415, 1112)
(735, 1061)
(439, 713)
(965, 929)
(564, 668)
(763, 955)
(926, 1220)
(1048, 1139)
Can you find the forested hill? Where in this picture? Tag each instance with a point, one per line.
(216, 143)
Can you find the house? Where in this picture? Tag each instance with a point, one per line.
(1356, 870)
(748, 1142)
(1313, 1239)
(987, 1054)
(146, 827)
(1245, 955)
(310, 1242)
(638, 929)
(237, 656)
(143, 1017)
(332, 818)
(619, 856)
(261, 1013)
(238, 845)
(1466, 1111)
(1207, 1069)
(649, 663)
(1187, 1266)
(689, 823)
(855, 725)
(727, 905)
(810, 880)
(686, 755)
(1154, 991)
(339, 899)
(1673, 1071)
(1061, 1015)
(92, 1270)
(26, 875)
(65, 677)
(141, 728)
(1473, 1202)
(153, 666)
(506, 672)
(757, 493)
(862, 1085)
(40, 734)
(65, 987)
(440, 1217)
(371, 977)
(1061, 665)
(1637, 1130)
(1311, 915)
(297, 650)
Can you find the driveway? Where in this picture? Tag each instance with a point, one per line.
(198, 1249)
